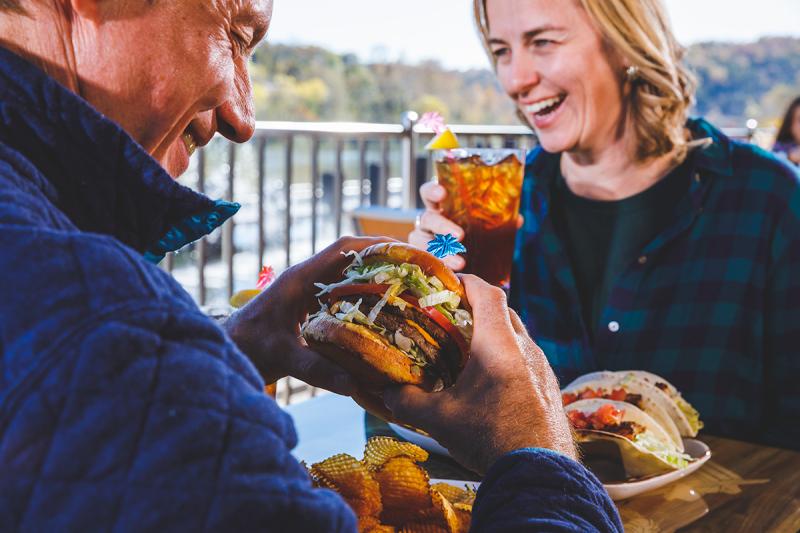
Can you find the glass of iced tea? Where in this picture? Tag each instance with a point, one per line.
(483, 191)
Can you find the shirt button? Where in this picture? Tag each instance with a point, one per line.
(613, 326)
(643, 260)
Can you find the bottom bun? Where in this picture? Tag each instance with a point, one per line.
(371, 360)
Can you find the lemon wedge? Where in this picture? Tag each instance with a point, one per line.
(444, 141)
(242, 297)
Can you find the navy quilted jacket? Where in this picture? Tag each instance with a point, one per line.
(122, 407)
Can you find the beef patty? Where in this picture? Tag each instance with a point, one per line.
(445, 359)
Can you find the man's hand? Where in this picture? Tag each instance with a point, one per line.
(268, 328)
(506, 398)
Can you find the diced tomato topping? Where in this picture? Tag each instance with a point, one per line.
(618, 395)
(568, 398)
(605, 418)
(592, 393)
(608, 415)
(578, 420)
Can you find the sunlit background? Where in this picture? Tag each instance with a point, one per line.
(442, 30)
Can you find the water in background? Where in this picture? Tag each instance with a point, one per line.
(245, 229)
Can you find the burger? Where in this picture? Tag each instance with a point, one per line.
(399, 316)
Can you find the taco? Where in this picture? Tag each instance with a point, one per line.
(685, 417)
(689, 422)
(630, 389)
(644, 446)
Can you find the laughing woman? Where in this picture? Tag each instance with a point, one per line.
(650, 240)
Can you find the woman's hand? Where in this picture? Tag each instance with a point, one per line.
(506, 398)
(267, 329)
(432, 222)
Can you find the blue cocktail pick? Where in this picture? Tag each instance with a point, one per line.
(443, 245)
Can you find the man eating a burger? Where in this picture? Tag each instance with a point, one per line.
(122, 406)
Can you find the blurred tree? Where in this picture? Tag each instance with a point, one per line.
(736, 82)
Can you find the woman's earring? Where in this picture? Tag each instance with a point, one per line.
(632, 72)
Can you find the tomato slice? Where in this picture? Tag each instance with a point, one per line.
(381, 288)
(356, 288)
(441, 320)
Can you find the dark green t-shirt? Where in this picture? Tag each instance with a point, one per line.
(602, 238)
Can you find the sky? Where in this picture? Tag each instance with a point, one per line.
(416, 30)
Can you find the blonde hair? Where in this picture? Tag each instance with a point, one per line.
(662, 89)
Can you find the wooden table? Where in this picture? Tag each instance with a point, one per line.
(744, 487)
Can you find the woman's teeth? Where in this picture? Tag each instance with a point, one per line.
(543, 107)
(190, 143)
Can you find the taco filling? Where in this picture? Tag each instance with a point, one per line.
(620, 395)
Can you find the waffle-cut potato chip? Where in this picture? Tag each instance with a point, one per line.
(390, 492)
(350, 478)
(380, 528)
(424, 527)
(464, 515)
(380, 449)
(455, 494)
(373, 525)
(405, 490)
(463, 507)
(443, 512)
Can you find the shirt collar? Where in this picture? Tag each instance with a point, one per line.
(715, 154)
(98, 175)
(712, 155)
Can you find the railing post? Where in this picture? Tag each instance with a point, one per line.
(337, 188)
(314, 190)
(288, 197)
(262, 172)
(202, 256)
(383, 191)
(228, 249)
(408, 120)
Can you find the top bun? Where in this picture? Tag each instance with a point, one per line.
(400, 252)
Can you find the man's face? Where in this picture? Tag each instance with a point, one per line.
(172, 73)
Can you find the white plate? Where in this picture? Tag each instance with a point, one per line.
(698, 450)
(426, 443)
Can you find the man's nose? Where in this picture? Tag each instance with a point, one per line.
(236, 117)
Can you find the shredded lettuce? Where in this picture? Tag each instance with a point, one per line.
(351, 313)
(449, 298)
(393, 290)
(663, 450)
(691, 413)
(407, 277)
(435, 282)
(357, 259)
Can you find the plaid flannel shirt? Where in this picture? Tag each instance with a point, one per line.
(712, 303)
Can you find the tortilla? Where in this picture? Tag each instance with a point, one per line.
(650, 452)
